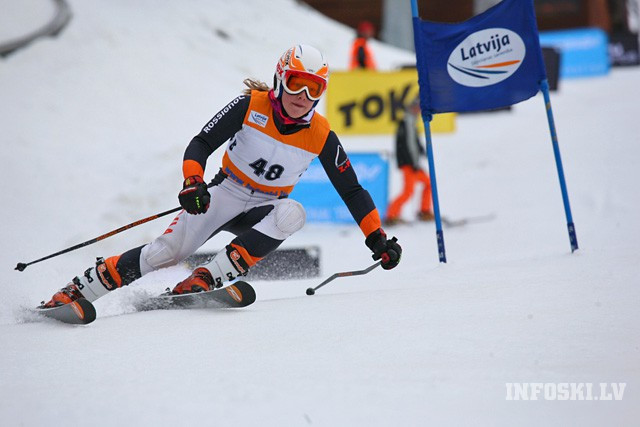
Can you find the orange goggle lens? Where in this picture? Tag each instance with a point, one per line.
(295, 83)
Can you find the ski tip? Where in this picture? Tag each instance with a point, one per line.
(85, 310)
(79, 312)
(242, 292)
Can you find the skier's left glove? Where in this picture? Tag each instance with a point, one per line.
(194, 197)
(387, 250)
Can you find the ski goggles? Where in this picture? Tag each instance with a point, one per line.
(296, 82)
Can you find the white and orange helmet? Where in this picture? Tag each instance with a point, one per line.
(301, 68)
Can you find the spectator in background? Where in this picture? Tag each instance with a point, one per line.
(408, 153)
(361, 57)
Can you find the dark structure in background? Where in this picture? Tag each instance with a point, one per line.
(610, 15)
(350, 12)
(561, 14)
(624, 49)
(281, 264)
(551, 58)
(392, 19)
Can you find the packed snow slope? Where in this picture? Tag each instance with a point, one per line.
(93, 127)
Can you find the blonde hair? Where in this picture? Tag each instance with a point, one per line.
(254, 84)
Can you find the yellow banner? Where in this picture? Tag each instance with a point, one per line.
(371, 102)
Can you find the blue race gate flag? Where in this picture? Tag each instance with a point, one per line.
(490, 61)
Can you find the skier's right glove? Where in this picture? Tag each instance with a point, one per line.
(389, 251)
(194, 197)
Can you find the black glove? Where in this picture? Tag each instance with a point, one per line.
(389, 251)
(194, 197)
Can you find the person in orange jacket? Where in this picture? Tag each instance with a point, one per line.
(361, 56)
(408, 153)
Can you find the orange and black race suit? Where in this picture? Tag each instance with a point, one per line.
(263, 161)
(269, 157)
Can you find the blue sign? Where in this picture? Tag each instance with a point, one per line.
(583, 52)
(322, 202)
(489, 61)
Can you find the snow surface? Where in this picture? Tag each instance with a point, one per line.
(94, 124)
(19, 19)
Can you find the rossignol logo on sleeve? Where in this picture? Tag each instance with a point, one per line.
(220, 114)
(258, 118)
(486, 57)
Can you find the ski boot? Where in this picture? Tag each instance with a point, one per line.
(426, 216)
(392, 222)
(94, 283)
(68, 294)
(226, 265)
(199, 281)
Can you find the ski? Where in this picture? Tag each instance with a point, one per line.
(447, 222)
(78, 312)
(238, 295)
(470, 220)
(82, 312)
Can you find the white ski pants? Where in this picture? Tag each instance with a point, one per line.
(229, 201)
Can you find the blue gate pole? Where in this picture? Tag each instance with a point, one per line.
(573, 240)
(426, 118)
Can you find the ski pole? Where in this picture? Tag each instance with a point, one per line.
(21, 265)
(312, 291)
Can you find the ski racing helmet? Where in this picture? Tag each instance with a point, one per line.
(301, 68)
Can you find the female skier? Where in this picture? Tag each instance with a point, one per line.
(273, 135)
